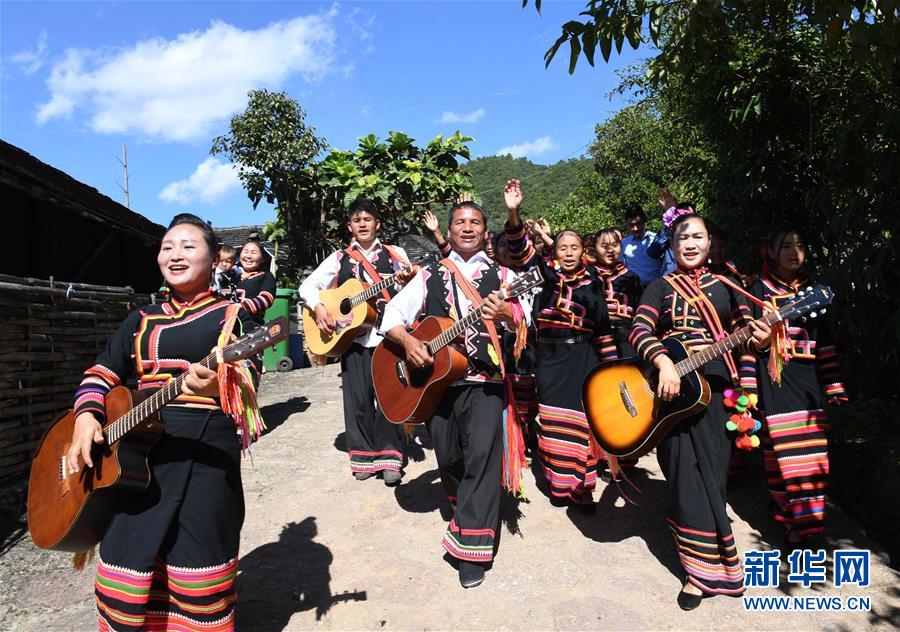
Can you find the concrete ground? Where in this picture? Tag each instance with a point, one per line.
(321, 550)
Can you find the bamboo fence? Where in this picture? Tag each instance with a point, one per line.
(52, 331)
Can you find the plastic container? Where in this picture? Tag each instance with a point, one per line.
(277, 358)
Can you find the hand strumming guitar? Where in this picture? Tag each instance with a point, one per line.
(669, 382)
(417, 355)
(88, 431)
(324, 320)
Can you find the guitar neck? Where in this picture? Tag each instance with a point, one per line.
(371, 291)
(134, 417)
(713, 351)
(451, 333)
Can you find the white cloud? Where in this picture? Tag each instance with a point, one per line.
(211, 181)
(180, 89)
(471, 117)
(530, 147)
(30, 61)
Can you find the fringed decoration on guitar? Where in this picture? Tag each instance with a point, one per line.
(780, 348)
(82, 558)
(513, 445)
(236, 389)
(741, 421)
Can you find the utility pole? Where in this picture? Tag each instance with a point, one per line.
(124, 162)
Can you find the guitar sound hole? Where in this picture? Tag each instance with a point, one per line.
(345, 307)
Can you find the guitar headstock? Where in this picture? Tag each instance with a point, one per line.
(526, 281)
(269, 334)
(812, 300)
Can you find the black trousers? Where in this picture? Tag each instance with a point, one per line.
(373, 443)
(466, 433)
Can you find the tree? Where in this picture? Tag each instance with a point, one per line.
(274, 151)
(789, 113)
(403, 179)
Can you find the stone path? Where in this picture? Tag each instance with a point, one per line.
(321, 550)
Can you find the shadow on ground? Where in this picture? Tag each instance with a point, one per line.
(642, 517)
(280, 579)
(276, 414)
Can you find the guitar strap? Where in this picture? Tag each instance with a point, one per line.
(513, 458)
(690, 291)
(369, 268)
(475, 299)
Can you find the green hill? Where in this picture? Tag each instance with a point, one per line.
(542, 185)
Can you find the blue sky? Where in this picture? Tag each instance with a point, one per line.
(79, 79)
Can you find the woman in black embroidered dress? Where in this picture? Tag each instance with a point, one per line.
(169, 558)
(795, 440)
(256, 287)
(622, 286)
(573, 336)
(694, 456)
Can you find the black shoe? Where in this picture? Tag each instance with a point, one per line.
(391, 477)
(361, 476)
(470, 574)
(688, 601)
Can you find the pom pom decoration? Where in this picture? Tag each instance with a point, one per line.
(741, 421)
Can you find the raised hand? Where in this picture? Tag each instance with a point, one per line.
(512, 194)
(665, 198)
(465, 196)
(430, 221)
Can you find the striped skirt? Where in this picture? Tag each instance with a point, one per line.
(795, 444)
(169, 558)
(694, 459)
(567, 450)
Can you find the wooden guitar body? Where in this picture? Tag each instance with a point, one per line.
(408, 395)
(348, 320)
(626, 417)
(71, 512)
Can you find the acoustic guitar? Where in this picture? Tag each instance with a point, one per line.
(71, 512)
(351, 306)
(628, 419)
(411, 395)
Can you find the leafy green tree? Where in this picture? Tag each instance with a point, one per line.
(403, 179)
(788, 113)
(274, 151)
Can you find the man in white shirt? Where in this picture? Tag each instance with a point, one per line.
(375, 445)
(466, 428)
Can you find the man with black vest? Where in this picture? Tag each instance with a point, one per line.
(466, 428)
(373, 443)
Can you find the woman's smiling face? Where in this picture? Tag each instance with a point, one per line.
(185, 260)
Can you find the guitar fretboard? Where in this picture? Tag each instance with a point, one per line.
(713, 351)
(134, 417)
(371, 291)
(450, 334)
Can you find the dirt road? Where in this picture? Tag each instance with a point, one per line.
(321, 550)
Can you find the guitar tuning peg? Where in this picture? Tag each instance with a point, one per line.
(809, 288)
(812, 314)
(822, 311)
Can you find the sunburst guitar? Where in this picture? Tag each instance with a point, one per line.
(625, 415)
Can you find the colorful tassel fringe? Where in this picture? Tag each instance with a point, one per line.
(238, 393)
(513, 446)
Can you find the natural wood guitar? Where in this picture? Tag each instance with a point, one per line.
(71, 512)
(351, 305)
(628, 419)
(409, 395)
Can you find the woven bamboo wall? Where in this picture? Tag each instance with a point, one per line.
(51, 332)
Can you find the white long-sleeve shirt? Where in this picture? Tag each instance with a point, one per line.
(325, 275)
(409, 302)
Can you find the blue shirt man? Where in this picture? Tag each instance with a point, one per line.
(635, 245)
